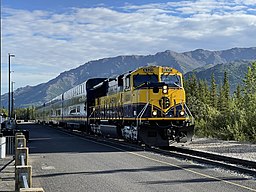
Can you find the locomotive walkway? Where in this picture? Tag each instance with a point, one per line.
(63, 162)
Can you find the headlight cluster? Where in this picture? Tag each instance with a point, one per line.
(164, 102)
(165, 89)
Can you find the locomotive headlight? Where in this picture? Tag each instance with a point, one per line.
(182, 113)
(165, 89)
(154, 113)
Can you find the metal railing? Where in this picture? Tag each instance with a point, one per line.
(138, 118)
(190, 114)
(10, 145)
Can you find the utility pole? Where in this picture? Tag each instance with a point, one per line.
(0, 63)
(12, 99)
(9, 82)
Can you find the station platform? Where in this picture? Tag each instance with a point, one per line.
(7, 174)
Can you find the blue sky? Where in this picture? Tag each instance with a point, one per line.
(52, 36)
(56, 5)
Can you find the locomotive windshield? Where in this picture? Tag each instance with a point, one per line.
(141, 80)
(171, 80)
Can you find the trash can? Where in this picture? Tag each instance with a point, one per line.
(2, 146)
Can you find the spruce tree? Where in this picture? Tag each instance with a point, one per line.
(213, 95)
(225, 92)
(225, 87)
(238, 97)
(201, 92)
(250, 79)
(206, 92)
(220, 98)
(249, 103)
(238, 91)
(193, 87)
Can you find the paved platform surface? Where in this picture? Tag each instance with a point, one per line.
(7, 175)
(66, 163)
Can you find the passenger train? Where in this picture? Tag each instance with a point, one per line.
(146, 105)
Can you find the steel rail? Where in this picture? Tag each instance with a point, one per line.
(217, 157)
(210, 160)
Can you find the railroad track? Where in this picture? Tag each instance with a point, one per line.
(217, 157)
(230, 163)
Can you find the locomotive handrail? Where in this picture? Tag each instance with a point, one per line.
(190, 114)
(141, 113)
(188, 110)
(93, 111)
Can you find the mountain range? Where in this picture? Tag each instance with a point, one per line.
(200, 62)
(236, 71)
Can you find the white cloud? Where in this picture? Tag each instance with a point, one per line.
(46, 41)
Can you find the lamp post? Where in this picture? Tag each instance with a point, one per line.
(0, 85)
(0, 77)
(9, 93)
(12, 99)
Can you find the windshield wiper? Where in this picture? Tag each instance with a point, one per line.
(174, 83)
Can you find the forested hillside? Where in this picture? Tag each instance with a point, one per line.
(220, 114)
(235, 71)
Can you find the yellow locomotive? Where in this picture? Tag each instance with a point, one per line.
(145, 105)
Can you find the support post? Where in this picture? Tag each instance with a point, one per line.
(23, 171)
(21, 152)
(20, 141)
